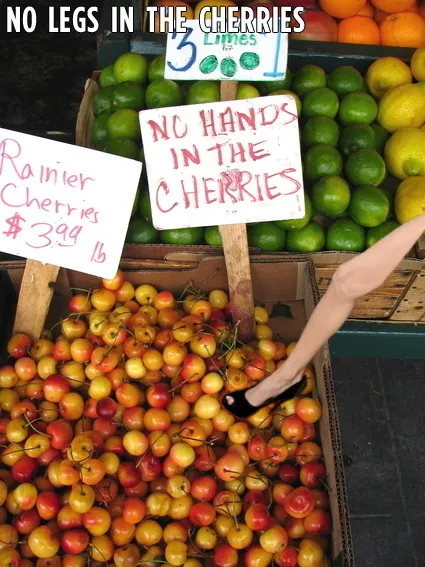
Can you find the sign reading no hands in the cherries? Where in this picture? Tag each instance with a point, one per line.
(64, 205)
(196, 55)
(224, 162)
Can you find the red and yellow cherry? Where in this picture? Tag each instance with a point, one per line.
(299, 503)
(114, 283)
(308, 409)
(80, 303)
(43, 542)
(240, 537)
(19, 345)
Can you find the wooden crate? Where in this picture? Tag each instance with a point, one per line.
(397, 299)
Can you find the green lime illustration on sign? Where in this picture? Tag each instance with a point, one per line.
(249, 61)
(209, 64)
(228, 66)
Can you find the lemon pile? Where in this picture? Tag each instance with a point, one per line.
(400, 91)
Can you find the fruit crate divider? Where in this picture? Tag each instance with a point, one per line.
(236, 254)
(35, 296)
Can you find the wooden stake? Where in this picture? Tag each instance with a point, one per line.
(34, 299)
(235, 246)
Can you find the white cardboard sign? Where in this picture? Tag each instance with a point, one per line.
(64, 205)
(196, 55)
(224, 162)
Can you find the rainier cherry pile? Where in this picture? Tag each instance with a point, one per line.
(116, 451)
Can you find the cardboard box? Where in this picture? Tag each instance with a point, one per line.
(288, 281)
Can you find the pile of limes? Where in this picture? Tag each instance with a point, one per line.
(359, 137)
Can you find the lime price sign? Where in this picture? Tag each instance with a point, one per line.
(197, 55)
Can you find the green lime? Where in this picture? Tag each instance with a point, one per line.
(124, 147)
(390, 195)
(131, 67)
(331, 196)
(102, 100)
(182, 236)
(345, 80)
(107, 77)
(266, 236)
(293, 95)
(369, 206)
(357, 108)
(156, 68)
(202, 92)
(345, 235)
(145, 206)
(320, 130)
(296, 224)
(136, 202)
(365, 167)
(246, 91)
(356, 137)
(322, 160)
(212, 236)
(99, 134)
(163, 93)
(320, 102)
(381, 137)
(377, 232)
(124, 124)
(280, 85)
(141, 232)
(128, 95)
(311, 238)
(308, 78)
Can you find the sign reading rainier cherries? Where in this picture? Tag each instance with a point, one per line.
(64, 205)
(224, 162)
(197, 55)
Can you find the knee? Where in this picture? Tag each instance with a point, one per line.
(344, 284)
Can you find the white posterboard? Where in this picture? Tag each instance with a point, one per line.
(64, 205)
(196, 55)
(224, 162)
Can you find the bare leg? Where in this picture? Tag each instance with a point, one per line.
(352, 280)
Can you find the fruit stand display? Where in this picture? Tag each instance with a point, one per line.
(108, 419)
(352, 171)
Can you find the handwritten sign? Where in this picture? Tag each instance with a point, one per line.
(224, 163)
(196, 55)
(64, 205)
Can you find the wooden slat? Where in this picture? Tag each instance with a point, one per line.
(380, 303)
(85, 118)
(412, 305)
(420, 248)
(34, 298)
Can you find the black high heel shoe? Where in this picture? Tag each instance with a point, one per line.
(237, 404)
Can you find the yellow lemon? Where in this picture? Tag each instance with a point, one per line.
(409, 199)
(385, 74)
(405, 153)
(402, 107)
(417, 64)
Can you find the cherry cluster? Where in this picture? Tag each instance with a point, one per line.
(116, 451)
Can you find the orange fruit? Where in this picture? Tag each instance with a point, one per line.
(345, 9)
(405, 29)
(359, 29)
(221, 4)
(368, 10)
(394, 6)
(188, 13)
